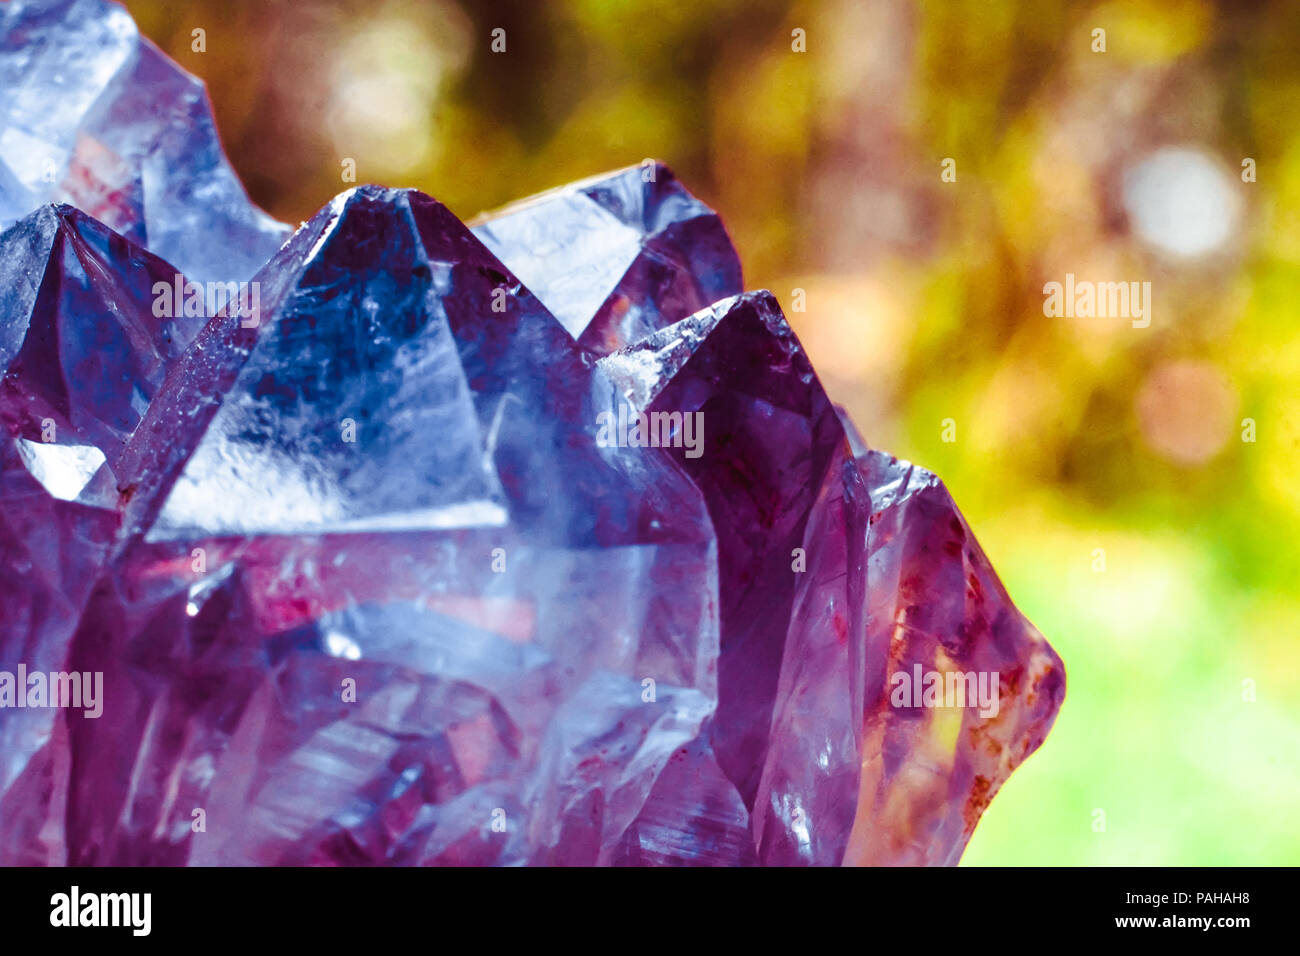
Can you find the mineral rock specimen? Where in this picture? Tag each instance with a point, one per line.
(361, 576)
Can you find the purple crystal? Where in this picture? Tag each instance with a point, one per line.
(889, 577)
(82, 354)
(365, 576)
(481, 688)
(96, 116)
(617, 256)
(561, 650)
(776, 452)
(935, 602)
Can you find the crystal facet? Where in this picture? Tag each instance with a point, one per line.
(82, 354)
(96, 116)
(935, 603)
(617, 256)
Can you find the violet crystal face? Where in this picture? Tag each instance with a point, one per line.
(531, 542)
(618, 256)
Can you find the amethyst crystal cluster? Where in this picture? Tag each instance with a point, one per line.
(347, 572)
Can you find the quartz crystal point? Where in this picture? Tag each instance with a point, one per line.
(82, 355)
(838, 566)
(775, 452)
(96, 116)
(617, 256)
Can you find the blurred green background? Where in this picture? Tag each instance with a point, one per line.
(1108, 470)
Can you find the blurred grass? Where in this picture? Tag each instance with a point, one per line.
(1154, 730)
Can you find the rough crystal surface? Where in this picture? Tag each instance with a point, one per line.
(96, 116)
(617, 256)
(82, 354)
(805, 730)
(935, 602)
